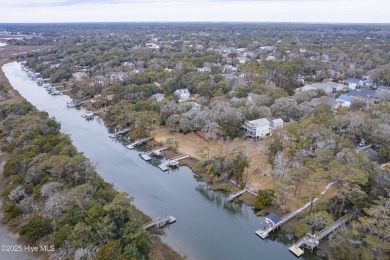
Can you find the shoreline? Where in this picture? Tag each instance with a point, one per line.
(159, 250)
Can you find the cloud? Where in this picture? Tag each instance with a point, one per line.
(347, 11)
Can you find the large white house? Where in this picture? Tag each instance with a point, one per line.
(183, 94)
(257, 128)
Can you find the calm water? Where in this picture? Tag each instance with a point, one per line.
(207, 226)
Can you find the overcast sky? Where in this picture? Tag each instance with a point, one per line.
(333, 11)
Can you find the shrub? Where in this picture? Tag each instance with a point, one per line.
(263, 199)
(37, 228)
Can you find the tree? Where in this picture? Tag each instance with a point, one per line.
(240, 162)
(375, 227)
(110, 250)
(263, 199)
(37, 228)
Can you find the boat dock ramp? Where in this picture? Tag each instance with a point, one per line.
(118, 133)
(138, 142)
(160, 222)
(263, 233)
(312, 241)
(156, 152)
(172, 162)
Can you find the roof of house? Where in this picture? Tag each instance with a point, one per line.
(182, 91)
(260, 122)
(278, 121)
(345, 97)
(273, 217)
(352, 80)
(363, 93)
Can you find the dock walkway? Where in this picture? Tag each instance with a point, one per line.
(160, 222)
(156, 152)
(312, 241)
(138, 142)
(235, 195)
(263, 233)
(121, 132)
(172, 162)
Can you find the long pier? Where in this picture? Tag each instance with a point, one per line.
(121, 132)
(312, 241)
(263, 233)
(235, 195)
(138, 142)
(156, 152)
(172, 162)
(160, 222)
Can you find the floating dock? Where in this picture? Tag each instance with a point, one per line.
(172, 162)
(160, 222)
(312, 241)
(157, 152)
(121, 132)
(146, 157)
(138, 142)
(263, 233)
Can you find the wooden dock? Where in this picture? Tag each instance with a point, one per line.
(157, 152)
(118, 133)
(263, 233)
(160, 222)
(145, 156)
(312, 241)
(138, 142)
(172, 162)
(235, 195)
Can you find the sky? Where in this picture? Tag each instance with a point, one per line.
(313, 11)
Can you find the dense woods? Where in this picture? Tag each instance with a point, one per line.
(55, 197)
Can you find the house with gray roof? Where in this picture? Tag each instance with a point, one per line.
(345, 100)
(354, 83)
(366, 95)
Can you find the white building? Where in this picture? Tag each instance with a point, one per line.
(277, 123)
(183, 94)
(257, 128)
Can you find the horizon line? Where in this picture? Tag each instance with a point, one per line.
(215, 22)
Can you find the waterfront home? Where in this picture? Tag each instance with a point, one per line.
(183, 94)
(257, 128)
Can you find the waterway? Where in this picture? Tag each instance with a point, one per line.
(207, 227)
